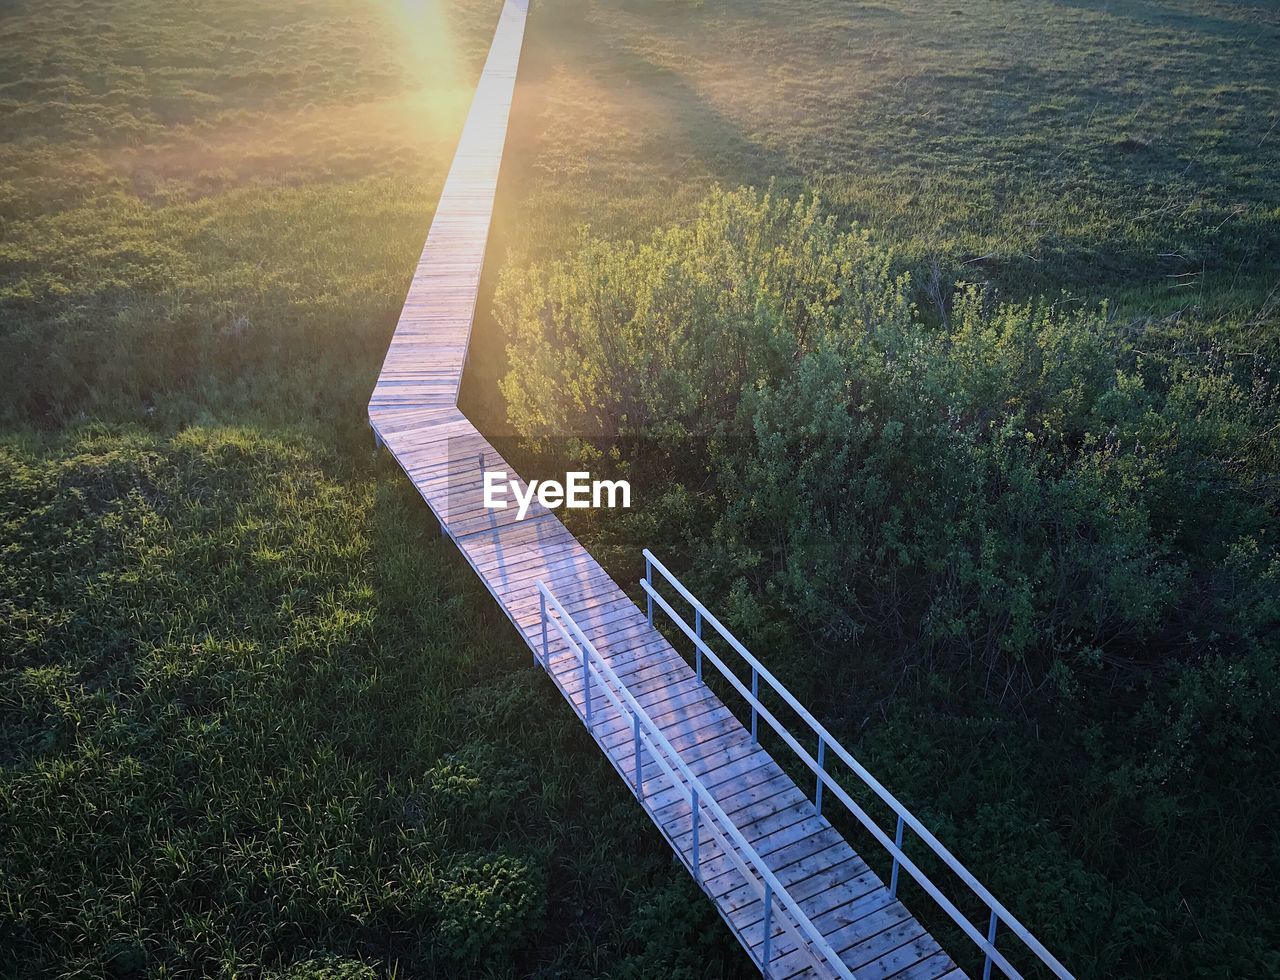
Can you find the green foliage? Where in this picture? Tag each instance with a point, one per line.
(662, 339)
(326, 968)
(1011, 488)
(1022, 504)
(212, 209)
(229, 746)
(250, 724)
(489, 909)
(1124, 149)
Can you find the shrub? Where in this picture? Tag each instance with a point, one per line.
(1012, 490)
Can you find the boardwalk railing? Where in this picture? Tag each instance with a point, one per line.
(651, 744)
(818, 764)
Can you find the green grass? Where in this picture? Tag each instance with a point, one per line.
(1097, 148)
(1125, 150)
(254, 712)
(237, 190)
(1121, 151)
(249, 706)
(255, 719)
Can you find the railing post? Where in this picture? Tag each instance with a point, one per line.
(817, 793)
(893, 878)
(698, 629)
(542, 606)
(991, 938)
(648, 577)
(693, 806)
(768, 928)
(586, 682)
(755, 696)
(635, 734)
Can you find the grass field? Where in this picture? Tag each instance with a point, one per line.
(1124, 150)
(239, 190)
(256, 720)
(1121, 152)
(1108, 149)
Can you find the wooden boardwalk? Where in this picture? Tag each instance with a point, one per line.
(414, 414)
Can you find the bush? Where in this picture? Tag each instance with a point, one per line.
(1009, 491)
(1023, 562)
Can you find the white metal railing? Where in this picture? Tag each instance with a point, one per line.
(703, 807)
(999, 914)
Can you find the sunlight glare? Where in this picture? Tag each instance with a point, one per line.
(436, 93)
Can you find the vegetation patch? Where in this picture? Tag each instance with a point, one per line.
(233, 745)
(1022, 518)
(1014, 539)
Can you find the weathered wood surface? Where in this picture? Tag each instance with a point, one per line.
(414, 413)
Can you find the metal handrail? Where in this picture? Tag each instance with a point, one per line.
(999, 914)
(646, 734)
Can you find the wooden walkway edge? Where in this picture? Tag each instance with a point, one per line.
(414, 414)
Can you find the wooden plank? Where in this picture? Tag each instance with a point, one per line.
(818, 872)
(742, 805)
(705, 756)
(660, 700)
(782, 860)
(936, 967)
(862, 931)
(919, 946)
(858, 895)
(591, 593)
(413, 410)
